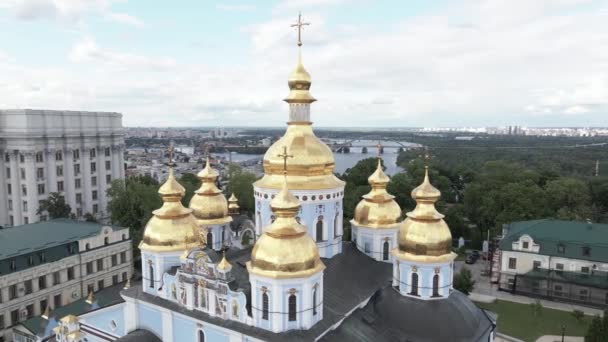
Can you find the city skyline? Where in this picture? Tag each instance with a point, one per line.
(439, 64)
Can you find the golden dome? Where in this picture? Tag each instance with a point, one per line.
(311, 166)
(209, 204)
(172, 228)
(224, 265)
(233, 202)
(377, 209)
(423, 235)
(285, 250)
(299, 84)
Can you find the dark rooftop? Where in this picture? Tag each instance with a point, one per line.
(32, 237)
(389, 317)
(139, 335)
(104, 298)
(350, 278)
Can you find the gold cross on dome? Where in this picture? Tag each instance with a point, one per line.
(170, 150)
(284, 155)
(299, 25)
(379, 146)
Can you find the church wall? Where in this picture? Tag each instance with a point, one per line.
(110, 319)
(150, 319)
(426, 272)
(375, 238)
(309, 214)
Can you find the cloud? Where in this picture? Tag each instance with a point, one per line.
(469, 63)
(66, 11)
(126, 19)
(235, 7)
(87, 51)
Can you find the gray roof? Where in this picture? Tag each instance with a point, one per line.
(32, 237)
(390, 316)
(139, 335)
(350, 278)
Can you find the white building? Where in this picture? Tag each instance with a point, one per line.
(53, 263)
(555, 259)
(74, 153)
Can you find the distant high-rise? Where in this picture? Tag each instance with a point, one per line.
(74, 153)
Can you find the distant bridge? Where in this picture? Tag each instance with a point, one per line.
(365, 148)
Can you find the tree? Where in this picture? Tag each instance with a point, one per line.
(401, 186)
(90, 217)
(131, 203)
(596, 331)
(55, 206)
(241, 184)
(463, 281)
(191, 183)
(569, 198)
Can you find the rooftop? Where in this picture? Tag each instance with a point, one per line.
(572, 235)
(32, 237)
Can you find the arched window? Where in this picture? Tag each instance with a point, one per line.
(106, 241)
(201, 336)
(223, 235)
(436, 285)
(272, 218)
(87, 246)
(292, 307)
(314, 301)
(320, 229)
(210, 239)
(265, 306)
(385, 251)
(258, 220)
(414, 284)
(151, 276)
(124, 236)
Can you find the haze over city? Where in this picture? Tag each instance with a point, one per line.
(373, 63)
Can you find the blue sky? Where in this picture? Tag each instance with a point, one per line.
(373, 63)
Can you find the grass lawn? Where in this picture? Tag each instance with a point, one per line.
(518, 320)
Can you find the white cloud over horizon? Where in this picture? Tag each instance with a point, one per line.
(468, 63)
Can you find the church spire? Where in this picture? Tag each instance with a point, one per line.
(299, 82)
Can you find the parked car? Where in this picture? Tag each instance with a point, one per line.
(471, 258)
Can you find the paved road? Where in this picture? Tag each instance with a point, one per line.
(486, 292)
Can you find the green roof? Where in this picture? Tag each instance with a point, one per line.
(104, 298)
(45, 234)
(572, 235)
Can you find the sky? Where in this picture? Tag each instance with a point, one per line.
(192, 63)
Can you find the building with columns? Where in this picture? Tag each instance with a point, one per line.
(299, 281)
(73, 153)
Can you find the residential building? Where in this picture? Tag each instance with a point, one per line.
(77, 154)
(56, 262)
(555, 259)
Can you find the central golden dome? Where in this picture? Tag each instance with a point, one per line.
(172, 228)
(209, 204)
(311, 167)
(285, 250)
(424, 235)
(377, 209)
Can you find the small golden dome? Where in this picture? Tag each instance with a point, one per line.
(172, 228)
(209, 204)
(378, 208)
(299, 84)
(423, 235)
(233, 202)
(285, 250)
(224, 265)
(311, 166)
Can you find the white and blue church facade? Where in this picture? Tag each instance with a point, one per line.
(300, 281)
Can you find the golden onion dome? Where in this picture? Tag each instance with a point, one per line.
(285, 250)
(233, 202)
(423, 235)
(311, 165)
(378, 208)
(209, 204)
(299, 84)
(172, 227)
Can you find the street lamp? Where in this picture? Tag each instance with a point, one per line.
(563, 331)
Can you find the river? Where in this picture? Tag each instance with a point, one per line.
(343, 160)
